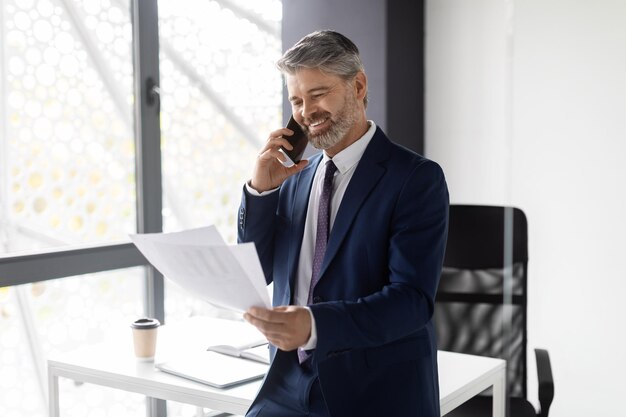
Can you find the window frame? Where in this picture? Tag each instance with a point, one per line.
(42, 265)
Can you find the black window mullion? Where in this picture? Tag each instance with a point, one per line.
(148, 139)
(148, 153)
(51, 264)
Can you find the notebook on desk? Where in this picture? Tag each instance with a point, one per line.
(214, 369)
(256, 351)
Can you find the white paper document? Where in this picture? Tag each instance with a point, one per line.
(199, 261)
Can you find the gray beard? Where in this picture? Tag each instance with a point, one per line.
(345, 119)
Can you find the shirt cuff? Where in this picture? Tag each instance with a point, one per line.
(312, 342)
(254, 192)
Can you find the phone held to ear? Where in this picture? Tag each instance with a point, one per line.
(298, 140)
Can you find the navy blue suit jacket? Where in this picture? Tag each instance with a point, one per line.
(376, 352)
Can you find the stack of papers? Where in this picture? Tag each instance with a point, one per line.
(199, 261)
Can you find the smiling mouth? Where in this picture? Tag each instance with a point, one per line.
(318, 124)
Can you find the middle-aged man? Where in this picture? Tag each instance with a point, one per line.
(353, 241)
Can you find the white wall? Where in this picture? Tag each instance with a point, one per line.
(526, 105)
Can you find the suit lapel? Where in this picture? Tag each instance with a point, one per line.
(368, 172)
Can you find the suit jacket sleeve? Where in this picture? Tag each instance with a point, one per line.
(257, 220)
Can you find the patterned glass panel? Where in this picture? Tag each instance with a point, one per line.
(66, 130)
(51, 317)
(221, 96)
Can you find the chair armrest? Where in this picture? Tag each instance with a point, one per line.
(546, 383)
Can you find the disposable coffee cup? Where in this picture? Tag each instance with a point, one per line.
(144, 337)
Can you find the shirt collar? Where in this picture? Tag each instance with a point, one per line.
(350, 156)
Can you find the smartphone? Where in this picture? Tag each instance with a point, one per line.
(298, 140)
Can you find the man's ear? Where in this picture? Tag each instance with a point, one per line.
(360, 85)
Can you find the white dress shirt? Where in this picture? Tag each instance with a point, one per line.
(346, 162)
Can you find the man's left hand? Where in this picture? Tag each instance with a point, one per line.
(286, 327)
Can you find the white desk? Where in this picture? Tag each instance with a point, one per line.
(460, 377)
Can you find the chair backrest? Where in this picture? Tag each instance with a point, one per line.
(481, 301)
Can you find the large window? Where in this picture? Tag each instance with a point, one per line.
(67, 130)
(46, 318)
(220, 100)
(86, 159)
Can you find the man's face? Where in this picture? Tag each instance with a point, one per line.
(324, 105)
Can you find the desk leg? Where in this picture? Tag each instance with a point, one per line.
(499, 395)
(156, 407)
(53, 393)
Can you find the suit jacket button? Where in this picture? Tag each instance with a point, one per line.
(317, 299)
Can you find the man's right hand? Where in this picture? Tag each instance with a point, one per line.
(269, 172)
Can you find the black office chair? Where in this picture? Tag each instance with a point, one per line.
(472, 314)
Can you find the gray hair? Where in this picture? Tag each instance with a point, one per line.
(326, 50)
